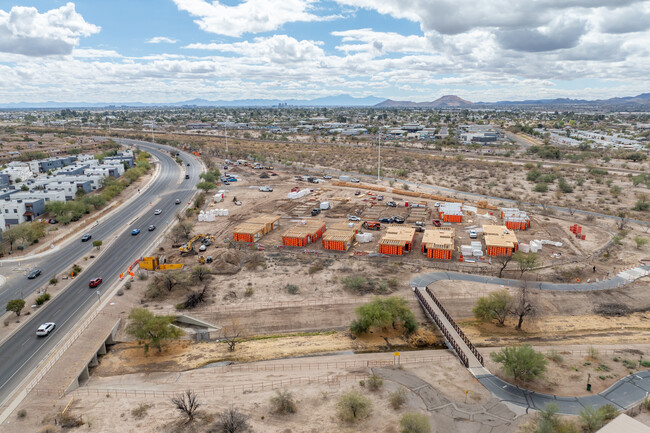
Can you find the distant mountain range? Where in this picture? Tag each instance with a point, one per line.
(452, 101)
(641, 101)
(448, 101)
(327, 101)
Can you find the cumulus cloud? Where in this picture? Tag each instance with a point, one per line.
(380, 42)
(277, 48)
(23, 30)
(161, 39)
(561, 34)
(249, 16)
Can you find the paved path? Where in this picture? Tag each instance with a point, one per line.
(623, 394)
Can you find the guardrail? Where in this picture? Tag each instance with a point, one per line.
(460, 332)
(445, 332)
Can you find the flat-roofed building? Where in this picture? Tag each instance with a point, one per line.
(499, 240)
(438, 243)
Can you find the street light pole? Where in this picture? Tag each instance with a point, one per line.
(225, 130)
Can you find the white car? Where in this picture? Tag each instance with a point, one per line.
(45, 329)
(157, 212)
(266, 189)
(353, 218)
(355, 180)
(473, 234)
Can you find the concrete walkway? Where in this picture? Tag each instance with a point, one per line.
(622, 395)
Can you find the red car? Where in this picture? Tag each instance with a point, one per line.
(436, 223)
(95, 282)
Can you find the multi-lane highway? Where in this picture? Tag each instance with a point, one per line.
(23, 351)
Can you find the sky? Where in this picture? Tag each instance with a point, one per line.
(160, 51)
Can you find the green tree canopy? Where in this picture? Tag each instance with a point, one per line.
(496, 305)
(383, 313)
(16, 306)
(152, 330)
(521, 362)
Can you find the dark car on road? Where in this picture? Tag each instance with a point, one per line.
(386, 220)
(86, 237)
(391, 204)
(33, 274)
(315, 211)
(151, 228)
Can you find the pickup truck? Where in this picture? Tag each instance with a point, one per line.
(265, 188)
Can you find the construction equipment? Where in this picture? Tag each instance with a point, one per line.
(188, 248)
(371, 225)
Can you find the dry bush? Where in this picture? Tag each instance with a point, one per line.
(67, 420)
(141, 411)
(398, 398)
(283, 402)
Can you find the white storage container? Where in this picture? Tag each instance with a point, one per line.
(524, 248)
(363, 238)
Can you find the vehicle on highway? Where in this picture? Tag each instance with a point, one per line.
(187, 176)
(188, 164)
(355, 180)
(315, 211)
(473, 234)
(265, 188)
(45, 329)
(151, 228)
(135, 232)
(371, 225)
(386, 220)
(327, 176)
(391, 204)
(95, 282)
(33, 274)
(178, 201)
(353, 218)
(157, 212)
(357, 192)
(86, 237)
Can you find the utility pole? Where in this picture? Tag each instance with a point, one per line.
(153, 139)
(225, 130)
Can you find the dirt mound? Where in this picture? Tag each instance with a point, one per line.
(612, 310)
(226, 261)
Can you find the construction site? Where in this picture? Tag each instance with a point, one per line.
(281, 271)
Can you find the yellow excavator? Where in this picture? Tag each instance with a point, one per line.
(188, 248)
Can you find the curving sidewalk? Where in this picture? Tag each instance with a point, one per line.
(622, 395)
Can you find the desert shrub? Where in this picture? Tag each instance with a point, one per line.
(76, 270)
(48, 429)
(292, 289)
(541, 187)
(591, 419)
(231, 421)
(374, 382)
(398, 398)
(353, 406)
(354, 283)
(642, 205)
(67, 420)
(127, 285)
(629, 364)
(43, 298)
(282, 402)
(316, 267)
(555, 356)
(140, 411)
(593, 353)
(54, 281)
(414, 423)
(249, 291)
(22, 413)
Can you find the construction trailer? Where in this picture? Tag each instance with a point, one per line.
(451, 212)
(303, 234)
(499, 240)
(338, 240)
(249, 232)
(438, 243)
(515, 219)
(346, 225)
(271, 222)
(397, 240)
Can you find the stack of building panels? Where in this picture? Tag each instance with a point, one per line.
(346, 225)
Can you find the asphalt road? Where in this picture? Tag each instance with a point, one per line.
(23, 351)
